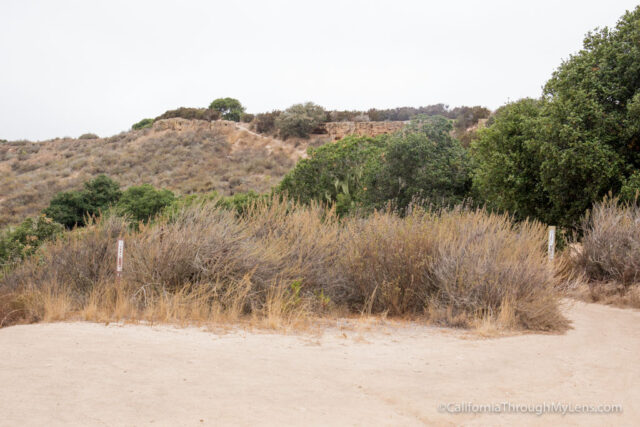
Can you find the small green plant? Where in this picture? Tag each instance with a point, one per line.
(323, 299)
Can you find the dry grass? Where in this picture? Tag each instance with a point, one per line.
(459, 266)
(607, 261)
(181, 155)
(282, 264)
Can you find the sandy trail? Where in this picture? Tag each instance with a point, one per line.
(91, 374)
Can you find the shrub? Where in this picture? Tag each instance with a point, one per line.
(611, 243)
(88, 136)
(143, 124)
(422, 162)
(26, 238)
(241, 203)
(190, 114)
(266, 122)
(229, 108)
(143, 202)
(246, 117)
(280, 260)
(459, 266)
(71, 208)
(77, 261)
(630, 191)
(332, 173)
(300, 120)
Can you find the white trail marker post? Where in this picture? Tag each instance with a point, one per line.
(120, 258)
(552, 242)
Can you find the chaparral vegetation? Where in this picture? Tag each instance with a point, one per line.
(444, 220)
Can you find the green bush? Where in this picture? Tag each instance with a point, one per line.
(71, 208)
(229, 108)
(630, 191)
(143, 202)
(142, 124)
(332, 173)
(26, 238)
(190, 114)
(88, 136)
(422, 162)
(300, 120)
(241, 202)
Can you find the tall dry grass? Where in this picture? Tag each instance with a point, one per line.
(283, 264)
(608, 257)
(460, 266)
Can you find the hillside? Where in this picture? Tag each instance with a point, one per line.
(185, 156)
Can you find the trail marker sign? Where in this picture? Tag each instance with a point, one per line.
(120, 257)
(552, 242)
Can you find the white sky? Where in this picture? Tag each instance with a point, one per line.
(69, 67)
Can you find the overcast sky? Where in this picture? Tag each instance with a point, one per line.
(69, 67)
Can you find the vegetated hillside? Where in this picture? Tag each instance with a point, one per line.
(182, 155)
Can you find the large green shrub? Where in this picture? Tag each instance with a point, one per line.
(72, 207)
(422, 162)
(332, 172)
(300, 120)
(143, 202)
(229, 108)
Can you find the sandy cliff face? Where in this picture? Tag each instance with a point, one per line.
(338, 130)
(237, 134)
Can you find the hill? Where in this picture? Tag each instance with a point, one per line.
(185, 156)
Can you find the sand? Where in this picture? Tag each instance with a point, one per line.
(389, 374)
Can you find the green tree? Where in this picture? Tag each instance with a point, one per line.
(422, 162)
(508, 161)
(554, 158)
(591, 120)
(230, 108)
(300, 120)
(71, 208)
(143, 202)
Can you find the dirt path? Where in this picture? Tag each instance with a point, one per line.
(91, 374)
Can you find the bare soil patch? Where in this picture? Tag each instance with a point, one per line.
(372, 374)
